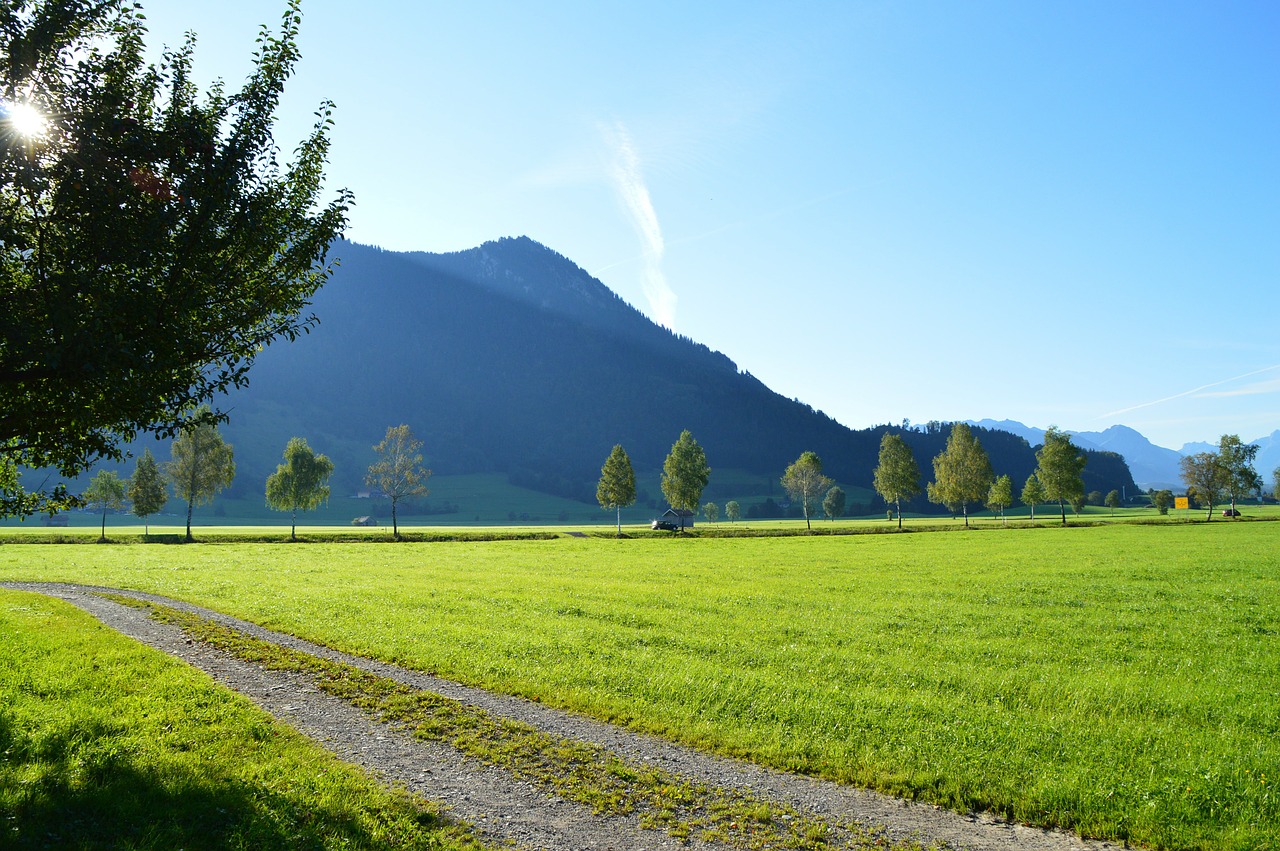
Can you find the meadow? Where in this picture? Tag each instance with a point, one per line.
(1121, 681)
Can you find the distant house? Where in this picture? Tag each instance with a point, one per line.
(673, 519)
(364, 521)
(363, 495)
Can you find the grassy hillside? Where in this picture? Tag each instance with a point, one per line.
(1119, 681)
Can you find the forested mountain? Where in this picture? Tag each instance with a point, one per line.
(509, 358)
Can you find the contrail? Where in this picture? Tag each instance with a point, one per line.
(629, 183)
(740, 223)
(1188, 392)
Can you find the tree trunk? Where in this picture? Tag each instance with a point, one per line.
(965, 509)
(190, 505)
(898, 504)
(102, 538)
(1063, 507)
(395, 529)
(619, 508)
(293, 525)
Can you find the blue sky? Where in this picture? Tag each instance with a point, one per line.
(1056, 212)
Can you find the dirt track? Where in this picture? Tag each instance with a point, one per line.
(504, 808)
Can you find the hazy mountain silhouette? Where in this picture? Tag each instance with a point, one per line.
(510, 358)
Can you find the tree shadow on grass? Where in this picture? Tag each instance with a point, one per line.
(80, 791)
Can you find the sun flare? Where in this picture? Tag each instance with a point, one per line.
(25, 119)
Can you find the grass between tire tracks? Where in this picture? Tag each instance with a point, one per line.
(575, 770)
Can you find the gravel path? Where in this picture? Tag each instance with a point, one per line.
(504, 808)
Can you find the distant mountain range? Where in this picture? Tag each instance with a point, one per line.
(1151, 465)
(509, 358)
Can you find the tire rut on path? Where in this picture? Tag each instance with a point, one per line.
(504, 808)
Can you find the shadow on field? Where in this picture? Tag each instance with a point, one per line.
(80, 789)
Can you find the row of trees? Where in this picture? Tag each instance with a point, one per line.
(203, 464)
(685, 474)
(962, 476)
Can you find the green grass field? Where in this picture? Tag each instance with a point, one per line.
(107, 744)
(1122, 681)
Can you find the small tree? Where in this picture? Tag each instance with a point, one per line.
(804, 482)
(398, 472)
(202, 465)
(961, 472)
(711, 511)
(146, 489)
(617, 486)
(301, 483)
(1204, 477)
(1000, 496)
(106, 492)
(833, 504)
(1238, 476)
(732, 511)
(685, 473)
(897, 477)
(1162, 500)
(1032, 494)
(1113, 501)
(1060, 464)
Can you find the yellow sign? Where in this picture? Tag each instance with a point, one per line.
(1181, 502)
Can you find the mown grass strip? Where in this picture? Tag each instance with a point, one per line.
(575, 770)
(106, 744)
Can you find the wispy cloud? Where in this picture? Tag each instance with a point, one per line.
(1258, 388)
(1199, 391)
(628, 182)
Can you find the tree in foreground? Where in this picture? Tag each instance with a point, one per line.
(202, 464)
(1059, 465)
(1239, 478)
(146, 489)
(685, 473)
(961, 472)
(617, 486)
(1000, 496)
(897, 476)
(833, 503)
(301, 483)
(1204, 476)
(398, 472)
(732, 511)
(711, 511)
(804, 482)
(106, 492)
(151, 243)
(1032, 494)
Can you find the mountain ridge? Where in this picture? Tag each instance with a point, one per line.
(509, 358)
(1152, 466)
